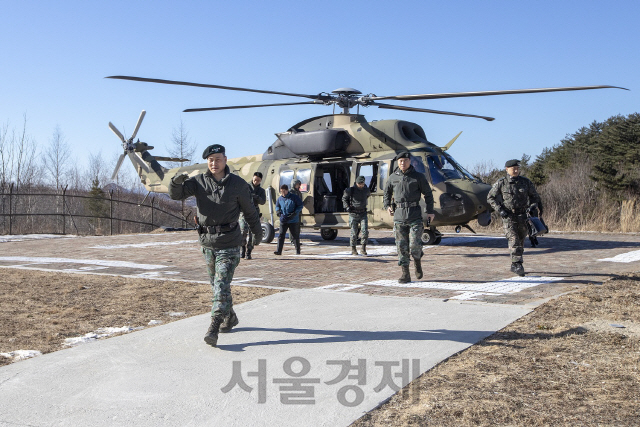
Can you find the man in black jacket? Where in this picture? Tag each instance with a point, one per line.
(220, 197)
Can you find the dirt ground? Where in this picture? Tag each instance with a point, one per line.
(41, 309)
(563, 364)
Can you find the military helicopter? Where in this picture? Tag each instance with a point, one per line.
(326, 153)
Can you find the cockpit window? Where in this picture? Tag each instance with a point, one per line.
(444, 168)
(417, 164)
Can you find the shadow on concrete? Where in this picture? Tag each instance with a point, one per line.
(505, 339)
(333, 336)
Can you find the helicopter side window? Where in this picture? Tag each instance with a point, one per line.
(286, 177)
(370, 173)
(384, 172)
(304, 176)
(417, 164)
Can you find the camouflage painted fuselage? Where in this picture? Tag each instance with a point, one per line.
(359, 148)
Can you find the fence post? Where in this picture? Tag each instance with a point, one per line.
(153, 199)
(10, 199)
(111, 212)
(64, 221)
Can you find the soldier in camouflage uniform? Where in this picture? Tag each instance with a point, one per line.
(259, 197)
(220, 197)
(405, 186)
(354, 201)
(511, 196)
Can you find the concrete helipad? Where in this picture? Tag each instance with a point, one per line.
(344, 338)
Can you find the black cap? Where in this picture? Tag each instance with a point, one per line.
(510, 163)
(402, 155)
(212, 149)
(360, 180)
(258, 174)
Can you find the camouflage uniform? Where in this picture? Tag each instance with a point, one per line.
(219, 205)
(406, 189)
(356, 200)
(259, 197)
(514, 195)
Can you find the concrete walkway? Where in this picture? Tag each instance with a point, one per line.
(298, 358)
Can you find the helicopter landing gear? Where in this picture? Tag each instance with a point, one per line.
(329, 233)
(431, 237)
(268, 232)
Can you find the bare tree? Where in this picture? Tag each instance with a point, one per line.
(57, 158)
(17, 157)
(97, 170)
(182, 146)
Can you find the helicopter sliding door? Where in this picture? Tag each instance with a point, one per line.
(330, 181)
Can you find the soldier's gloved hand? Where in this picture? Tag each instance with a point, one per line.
(283, 218)
(257, 238)
(179, 179)
(347, 208)
(289, 216)
(503, 213)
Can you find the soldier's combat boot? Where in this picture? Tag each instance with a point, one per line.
(354, 251)
(517, 268)
(211, 337)
(229, 322)
(406, 276)
(363, 250)
(243, 252)
(417, 263)
(248, 254)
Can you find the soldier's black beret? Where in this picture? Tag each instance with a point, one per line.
(510, 163)
(212, 149)
(360, 180)
(402, 155)
(258, 174)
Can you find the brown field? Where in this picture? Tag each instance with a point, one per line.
(563, 364)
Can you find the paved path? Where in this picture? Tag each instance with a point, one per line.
(345, 337)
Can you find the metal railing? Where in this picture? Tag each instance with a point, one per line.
(19, 209)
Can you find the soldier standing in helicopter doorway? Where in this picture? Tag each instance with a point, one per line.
(295, 189)
(354, 201)
(511, 196)
(405, 186)
(220, 197)
(259, 197)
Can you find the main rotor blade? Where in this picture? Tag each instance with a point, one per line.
(139, 161)
(116, 131)
(115, 171)
(175, 82)
(191, 110)
(490, 93)
(424, 110)
(135, 131)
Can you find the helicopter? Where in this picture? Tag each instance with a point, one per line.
(326, 153)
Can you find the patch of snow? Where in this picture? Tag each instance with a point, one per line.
(22, 237)
(155, 322)
(97, 334)
(21, 354)
(177, 314)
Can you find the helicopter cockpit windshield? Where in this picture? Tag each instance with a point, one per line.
(443, 168)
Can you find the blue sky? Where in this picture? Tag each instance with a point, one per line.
(55, 56)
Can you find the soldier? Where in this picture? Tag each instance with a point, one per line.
(288, 208)
(220, 197)
(259, 197)
(406, 185)
(355, 202)
(296, 190)
(511, 196)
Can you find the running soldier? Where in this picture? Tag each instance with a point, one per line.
(354, 201)
(220, 197)
(511, 196)
(259, 197)
(405, 186)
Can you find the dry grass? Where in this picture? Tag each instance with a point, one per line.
(563, 364)
(41, 309)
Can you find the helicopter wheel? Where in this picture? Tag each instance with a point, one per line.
(268, 233)
(329, 233)
(431, 238)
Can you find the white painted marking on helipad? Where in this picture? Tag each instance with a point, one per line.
(468, 290)
(142, 245)
(626, 257)
(22, 237)
(340, 287)
(47, 260)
